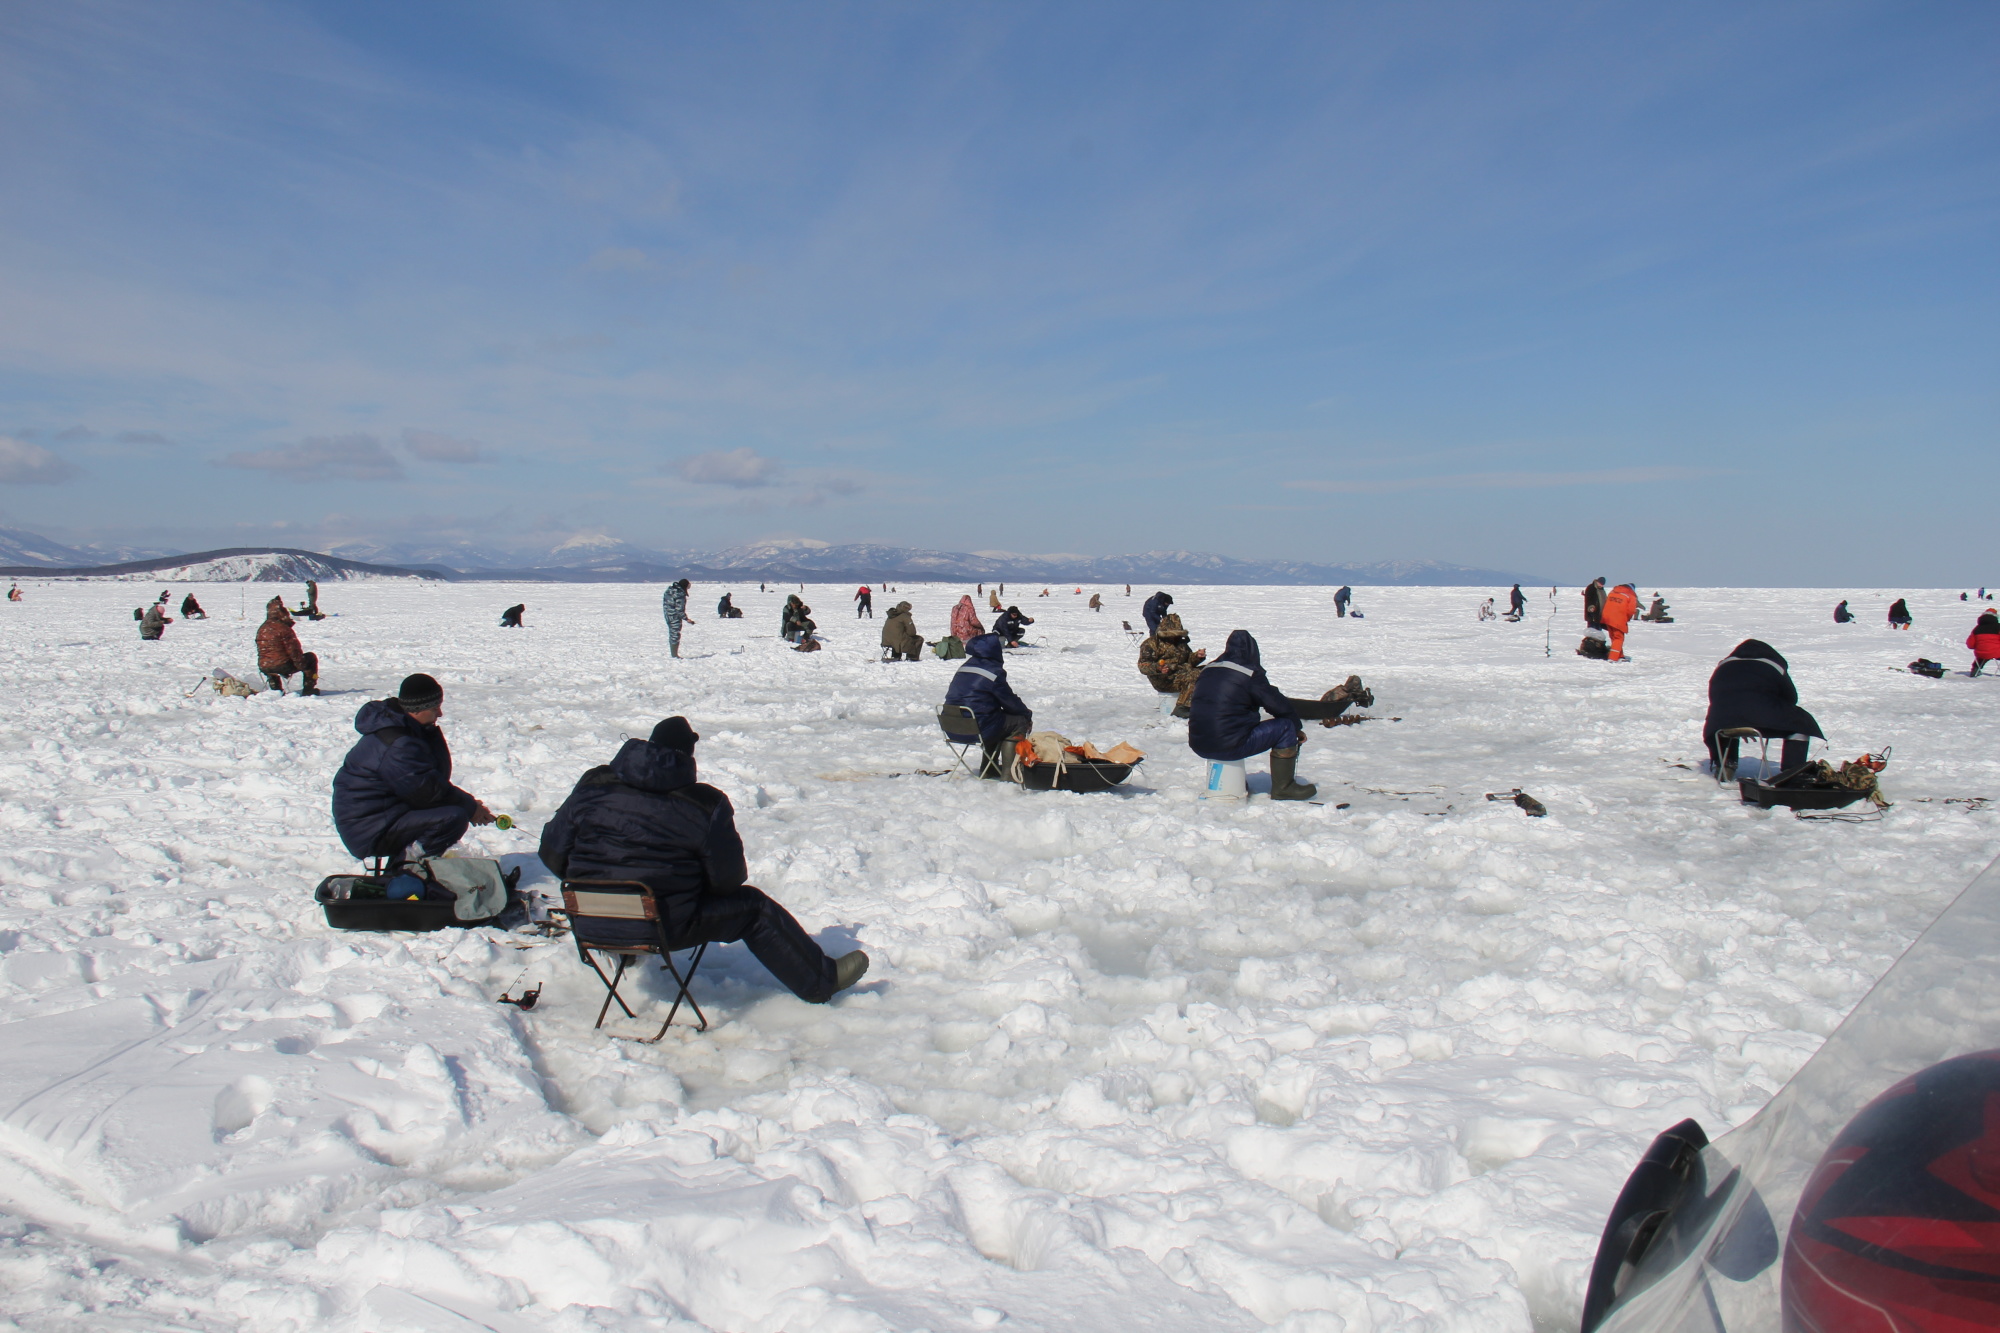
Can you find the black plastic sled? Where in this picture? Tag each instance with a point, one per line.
(1075, 775)
(366, 908)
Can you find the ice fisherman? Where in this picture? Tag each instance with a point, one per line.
(726, 609)
(279, 653)
(1899, 614)
(899, 634)
(1657, 613)
(1841, 615)
(1619, 607)
(394, 790)
(1517, 604)
(795, 622)
(1984, 641)
(1486, 609)
(1169, 664)
(1593, 603)
(864, 602)
(1752, 687)
(511, 617)
(153, 623)
(965, 626)
(981, 685)
(674, 606)
(646, 816)
(1011, 625)
(1155, 607)
(1341, 598)
(1228, 697)
(191, 609)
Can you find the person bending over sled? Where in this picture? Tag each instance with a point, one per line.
(644, 817)
(1752, 689)
(1984, 641)
(1230, 694)
(981, 685)
(279, 655)
(394, 790)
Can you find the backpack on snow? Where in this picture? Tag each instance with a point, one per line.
(1923, 666)
(1594, 648)
(949, 647)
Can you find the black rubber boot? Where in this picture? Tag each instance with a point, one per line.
(1284, 768)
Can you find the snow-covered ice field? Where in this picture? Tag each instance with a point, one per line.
(1124, 1061)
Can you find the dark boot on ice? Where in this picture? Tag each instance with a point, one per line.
(848, 969)
(309, 677)
(1284, 770)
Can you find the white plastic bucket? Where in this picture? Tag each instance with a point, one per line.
(1167, 702)
(1228, 780)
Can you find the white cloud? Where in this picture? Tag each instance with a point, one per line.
(742, 468)
(322, 457)
(432, 447)
(24, 464)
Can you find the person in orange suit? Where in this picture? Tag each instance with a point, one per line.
(1619, 608)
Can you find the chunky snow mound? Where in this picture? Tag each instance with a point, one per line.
(1124, 1061)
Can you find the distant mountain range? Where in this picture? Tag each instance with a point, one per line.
(597, 559)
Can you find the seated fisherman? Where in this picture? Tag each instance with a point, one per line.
(899, 634)
(725, 608)
(191, 609)
(1010, 625)
(394, 788)
(279, 654)
(981, 685)
(1169, 664)
(1228, 696)
(1657, 613)
(643, 816)
(1752, 687)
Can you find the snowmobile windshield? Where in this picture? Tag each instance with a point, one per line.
(1721, 1251)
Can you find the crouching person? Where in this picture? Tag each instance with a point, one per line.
(1231, 694)
(900, 639)
(393, 791)
(279, 654)
(644, 817)
(981, 685)
(1752, 690)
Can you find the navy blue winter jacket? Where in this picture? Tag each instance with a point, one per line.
(398, 765)
(644, 816)
(981, 685)
(1227, 698)
(1752, 687)
(1155, 607)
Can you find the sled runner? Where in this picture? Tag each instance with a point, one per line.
(1842, 1201)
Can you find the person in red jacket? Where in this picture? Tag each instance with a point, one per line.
(1619, 608)
(1984, 641)
(279, 654)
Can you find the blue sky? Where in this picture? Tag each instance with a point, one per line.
(1684, 293)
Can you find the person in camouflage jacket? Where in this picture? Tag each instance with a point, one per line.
(1166, 660)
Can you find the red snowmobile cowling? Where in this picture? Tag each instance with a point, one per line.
(1865, 1198)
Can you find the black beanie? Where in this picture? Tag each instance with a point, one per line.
(675, 734)
(418, 693)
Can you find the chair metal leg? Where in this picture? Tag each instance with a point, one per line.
(610, 985)
(701, 1019)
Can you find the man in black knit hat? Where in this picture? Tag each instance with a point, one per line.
(643, 816)
(394, 788)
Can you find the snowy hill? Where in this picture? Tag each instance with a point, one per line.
(233, 565)
(593, 557)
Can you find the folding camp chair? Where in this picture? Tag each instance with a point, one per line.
(961, 736)
(1131, 633)
(590, 902)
